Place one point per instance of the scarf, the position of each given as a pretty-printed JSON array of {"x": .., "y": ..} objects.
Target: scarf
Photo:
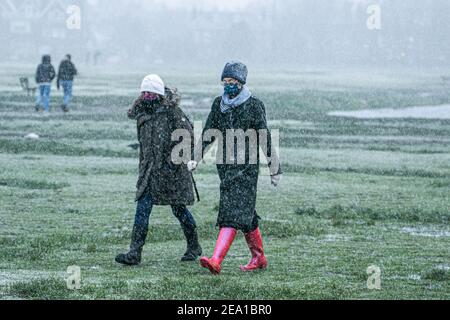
[{"x": 227, "y": 103}]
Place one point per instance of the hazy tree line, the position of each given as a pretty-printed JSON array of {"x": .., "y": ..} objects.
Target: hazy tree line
[{"x": 286, "y": 32}]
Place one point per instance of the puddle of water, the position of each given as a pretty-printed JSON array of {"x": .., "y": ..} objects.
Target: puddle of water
[
  {"x": 426, "y": 112},
  {"x": 292, "y": 124}
]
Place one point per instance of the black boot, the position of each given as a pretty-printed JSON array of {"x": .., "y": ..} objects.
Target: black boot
[
  {"x": 194, "y": 250},
  {"x": 133, "y": 257}
]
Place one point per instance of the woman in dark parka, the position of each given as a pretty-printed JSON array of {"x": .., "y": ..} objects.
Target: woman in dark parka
[
  {"x": 238, "y": 109},
  {"x": 160, "y": 182}
]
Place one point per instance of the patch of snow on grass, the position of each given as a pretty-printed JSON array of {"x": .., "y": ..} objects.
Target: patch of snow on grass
[{"x": 426, "y": 232}]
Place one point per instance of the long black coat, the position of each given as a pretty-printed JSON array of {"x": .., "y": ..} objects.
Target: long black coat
[
  {"x": 167, "y": 183},
  {"x": 238, "y": 187}
]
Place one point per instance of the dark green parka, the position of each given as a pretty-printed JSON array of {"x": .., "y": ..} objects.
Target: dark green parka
[
  {"x": 167, "y": 183},
  {"x": 238, "y": 187}
]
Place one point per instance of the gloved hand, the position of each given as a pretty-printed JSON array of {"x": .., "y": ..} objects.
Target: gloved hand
[
  {"x": 192, "y": 165},
  {"x": 276, "y": 179}
]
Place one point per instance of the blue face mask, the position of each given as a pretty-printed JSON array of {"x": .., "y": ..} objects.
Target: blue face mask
[{"x": 232, "y": 89}]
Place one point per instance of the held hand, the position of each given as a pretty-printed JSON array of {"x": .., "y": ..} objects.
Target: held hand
[
  {"x": 276, "y": 179},
  {"x": 192, "y": 165}
]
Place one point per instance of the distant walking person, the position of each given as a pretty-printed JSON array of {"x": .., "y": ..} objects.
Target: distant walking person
[
  {"x": 66, "y": 73},
  {"x": 45, "y": 74}
]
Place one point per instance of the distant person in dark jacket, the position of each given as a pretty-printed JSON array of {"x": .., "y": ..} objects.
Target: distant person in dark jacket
[
  {"x": 45, "y": 74},
  {"x": 66, "y": 73}
]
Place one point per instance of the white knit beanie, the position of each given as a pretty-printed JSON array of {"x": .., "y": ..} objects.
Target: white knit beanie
[{"x": 153, "y": 83}]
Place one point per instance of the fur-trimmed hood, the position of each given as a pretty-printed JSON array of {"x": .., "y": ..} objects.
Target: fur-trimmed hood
[{"x": 172, "y": 98}]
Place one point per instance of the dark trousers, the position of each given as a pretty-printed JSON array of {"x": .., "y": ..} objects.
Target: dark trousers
[{"x": 144, "y": 210}]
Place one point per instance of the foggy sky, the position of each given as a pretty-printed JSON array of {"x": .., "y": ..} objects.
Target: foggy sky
[{"x": 305, "y": 33}]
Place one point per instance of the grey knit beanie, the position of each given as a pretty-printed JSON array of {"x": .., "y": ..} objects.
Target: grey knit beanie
[{"x": 236, "y": 70}]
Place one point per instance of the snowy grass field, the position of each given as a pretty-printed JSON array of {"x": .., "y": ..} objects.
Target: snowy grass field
[{"x": 356, "y": 192}]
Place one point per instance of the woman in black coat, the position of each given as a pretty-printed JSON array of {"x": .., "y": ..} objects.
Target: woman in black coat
[
  {"x": 238, "y": 109},
  {"x": 161, "y": 181}
]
